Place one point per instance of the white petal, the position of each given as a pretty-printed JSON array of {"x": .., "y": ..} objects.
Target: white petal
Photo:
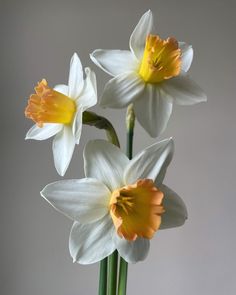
[
  {"x": 45, "y": 132},
  {"x": 76, "y": 82},
  {"x": 153, "y": 110},
  {"x": 88, "y": 97},
  {"x": 122, "y": 90},
  {"x": 77, "y": 125},
  {"x": 186, "y": 55},
  {"x": 184, "y": 90},
  {"x": 149, "y": 163},
  {"x": 114, "y": 62},
  {"x": 161, "y": 175},
  {"x": 138, "y": 37},
  {"x": 133, "y": 251},
  {"x": 64, "y": 89},
  {"x": 84, "y": 200},
  {"x": 175, "y": 209},
  {"x": 90, "y": 243},
  {"x": 105, "y": 162},
  {"x": 63, "y": 147}
]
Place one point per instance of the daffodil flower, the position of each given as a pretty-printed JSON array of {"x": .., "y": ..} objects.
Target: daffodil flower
[
  {"x": 152, "y": 76},
  {"x": 59, "y": 112},
  {"x": 120, "y": 204}
]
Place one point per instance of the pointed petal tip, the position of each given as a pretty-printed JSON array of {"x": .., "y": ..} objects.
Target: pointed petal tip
[
  {"x": 92, "y": 57},
  {"x": 27, "y": 136},
  {"x": 42, "y": 192},
  {"x": 75, "y": 55},
  {"x": 169, "y": 140},
  {"x": 202, "y": 99},
  {"x": 172, "y": 143},
  {"x": 154, "y": 134},
  {"x": 43, "y": 195},
  {"x": 148, "y": 11},
  {"x": 59, "y": 171},
  {"x": 92, "y": 53}
]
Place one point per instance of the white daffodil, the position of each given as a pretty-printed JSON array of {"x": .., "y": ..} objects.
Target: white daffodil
[
  {"x": 120, "y": 204},
  {"x": 59, "y": 112},
  {"x": 152, "y": 76}
]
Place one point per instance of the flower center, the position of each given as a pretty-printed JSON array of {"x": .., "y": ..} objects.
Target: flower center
[
  {"x": 49, "y": 106},
  {"x": 136, "y": 210},
  {"x": 161, "y": 59}
]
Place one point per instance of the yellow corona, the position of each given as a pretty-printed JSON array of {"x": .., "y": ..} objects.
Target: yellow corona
[{"x": 161, "y": 59}]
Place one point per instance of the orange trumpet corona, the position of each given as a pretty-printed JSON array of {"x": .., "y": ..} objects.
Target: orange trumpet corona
[{"x": 136, "y": 210}]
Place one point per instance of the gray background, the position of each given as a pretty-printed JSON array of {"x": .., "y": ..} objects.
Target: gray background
[{"x": 37, "y": 40}]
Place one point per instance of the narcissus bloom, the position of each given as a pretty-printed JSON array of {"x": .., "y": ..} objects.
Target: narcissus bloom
[
  {"x": 152, "y": 76},
  {"x": 120, "y": 204},
  {"x": 59, "y": 112}
]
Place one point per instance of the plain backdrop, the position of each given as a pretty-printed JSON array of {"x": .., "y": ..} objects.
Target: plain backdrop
[{"x": 38, "y": 39}]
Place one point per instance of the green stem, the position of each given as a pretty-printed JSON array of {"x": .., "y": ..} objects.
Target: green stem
[
  {"x": 123, "y": 277},
  {"x": 92, "y": 119},
  {"x": 129, "y": 148},
  {"x": 102, "y": 289},
  {"x": 112, "y": 274},
  {"x": 130, "y": 123}
]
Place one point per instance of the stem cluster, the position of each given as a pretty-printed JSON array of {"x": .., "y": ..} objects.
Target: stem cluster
[{"x": 108, "y": 278}]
